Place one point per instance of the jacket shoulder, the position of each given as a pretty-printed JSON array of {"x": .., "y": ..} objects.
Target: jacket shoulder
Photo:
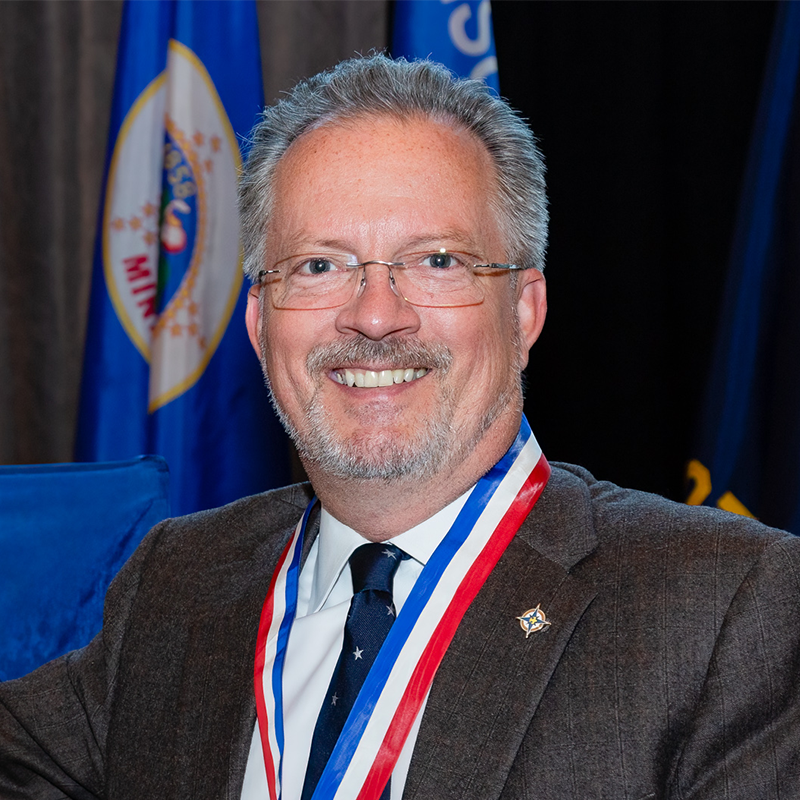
[
  {"x": 196, "y": 552},
  {"x": 633, "y": 514}
]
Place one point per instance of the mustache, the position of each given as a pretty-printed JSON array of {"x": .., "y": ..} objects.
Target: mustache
[{"x": 389, "y": 353}]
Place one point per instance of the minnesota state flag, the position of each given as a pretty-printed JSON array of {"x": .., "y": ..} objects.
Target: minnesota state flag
[
  {"x": 168, "y": 367},
  {"x": 458, "y": 35},
  {"x": 748, "y": 456}
]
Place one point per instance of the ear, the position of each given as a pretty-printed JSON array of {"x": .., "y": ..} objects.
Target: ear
[
  {"x": 531, "y": 309},
  {"x": 252, "y": 316}
]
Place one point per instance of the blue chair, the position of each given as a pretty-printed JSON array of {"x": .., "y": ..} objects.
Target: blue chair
[{"x": 65, "y": 530}]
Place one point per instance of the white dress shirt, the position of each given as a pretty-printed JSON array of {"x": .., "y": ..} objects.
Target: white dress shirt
[{"x": 324, "y": 592}]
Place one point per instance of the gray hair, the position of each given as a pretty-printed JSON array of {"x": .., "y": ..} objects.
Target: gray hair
[{"x": 379, "y": 85}]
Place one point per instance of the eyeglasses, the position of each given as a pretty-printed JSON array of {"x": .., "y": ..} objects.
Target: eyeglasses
[{"x": 443, "y": 279}]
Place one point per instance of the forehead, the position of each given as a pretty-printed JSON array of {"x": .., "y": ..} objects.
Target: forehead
[{"x": 376, "y": 177}]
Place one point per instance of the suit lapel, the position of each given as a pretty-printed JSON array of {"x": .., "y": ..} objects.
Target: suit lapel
[
  {"x": 228, "y": 700},
  {"x": 245, "y": 613},
  {"x": 492, "y": 678}
]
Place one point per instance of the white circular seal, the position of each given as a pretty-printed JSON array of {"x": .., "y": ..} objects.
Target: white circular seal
[{"x": 171, "y": 251}]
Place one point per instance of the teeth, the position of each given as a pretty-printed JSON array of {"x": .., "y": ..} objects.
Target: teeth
[{"x": 370, "y": 379}]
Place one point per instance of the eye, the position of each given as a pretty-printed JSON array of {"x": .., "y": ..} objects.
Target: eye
[
  {"x": 316, "y": 266},
  {"x": 440, "y": 260}
]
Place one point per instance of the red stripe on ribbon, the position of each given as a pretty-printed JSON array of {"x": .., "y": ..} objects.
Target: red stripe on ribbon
[
  {"x": 432, "y": 656},
  {"x": 261, "y": 645}
]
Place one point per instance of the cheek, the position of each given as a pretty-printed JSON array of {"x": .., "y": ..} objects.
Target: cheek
[
  {"x": 278, "y": 353},
  {"x": 484, "y": 343},
  {"x": 287, "y": 339}
]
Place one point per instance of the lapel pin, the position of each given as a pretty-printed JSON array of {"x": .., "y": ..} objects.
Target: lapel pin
[{"x": 533, "y": 620}]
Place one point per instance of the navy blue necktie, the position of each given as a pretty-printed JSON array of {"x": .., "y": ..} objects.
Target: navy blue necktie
[{"x": 370, "y": 616}]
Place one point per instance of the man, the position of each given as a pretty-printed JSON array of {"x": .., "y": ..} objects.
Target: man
[{"x": 555, "y": 636}]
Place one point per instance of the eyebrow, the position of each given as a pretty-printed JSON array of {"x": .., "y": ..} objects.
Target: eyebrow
[
  {"x": 462, "y": 238},
  {"x": 459, "y": 237}
]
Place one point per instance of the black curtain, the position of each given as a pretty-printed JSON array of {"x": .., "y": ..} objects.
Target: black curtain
[{"x": 644, "y": 113}]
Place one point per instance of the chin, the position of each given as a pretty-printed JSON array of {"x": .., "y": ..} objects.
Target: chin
[{"x": 378, "y": 455}]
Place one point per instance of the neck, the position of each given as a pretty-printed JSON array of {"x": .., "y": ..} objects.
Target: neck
[{"x": 381, "y": 509}]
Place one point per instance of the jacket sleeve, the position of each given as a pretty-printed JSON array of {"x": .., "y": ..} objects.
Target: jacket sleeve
[
  {"x": 53, "y": 722},
  {"x": 745, "y": 740}
]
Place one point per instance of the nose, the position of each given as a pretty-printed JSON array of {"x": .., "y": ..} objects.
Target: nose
[{"x": 377, "y": 309}]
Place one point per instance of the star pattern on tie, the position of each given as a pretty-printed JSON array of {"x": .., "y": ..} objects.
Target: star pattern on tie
[{"x": 369, "y": 619}]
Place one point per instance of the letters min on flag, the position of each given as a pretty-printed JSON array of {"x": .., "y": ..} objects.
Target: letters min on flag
[
  {"x": 457, "y": 34},
  {"x": 168, "y": 367},
  {"x": 748, "y": 455}
]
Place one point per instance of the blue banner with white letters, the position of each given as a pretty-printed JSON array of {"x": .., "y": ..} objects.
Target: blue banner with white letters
[
  {"x": 168, "y": 366},
  {"x": 457, "y": 33},
  {"x": 748, "y": 455}
]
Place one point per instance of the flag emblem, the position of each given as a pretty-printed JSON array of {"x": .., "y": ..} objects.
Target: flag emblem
[{"x": 170, "y": 234}]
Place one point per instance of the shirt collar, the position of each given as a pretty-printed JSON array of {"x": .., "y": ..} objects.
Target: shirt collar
[{"x": 336, "y": 543}]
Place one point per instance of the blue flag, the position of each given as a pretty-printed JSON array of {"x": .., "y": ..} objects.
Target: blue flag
[
  {"x": 168, "y": 367},
  {"x": 457, "y": 34},
  {"x": 748, "y": 460}
]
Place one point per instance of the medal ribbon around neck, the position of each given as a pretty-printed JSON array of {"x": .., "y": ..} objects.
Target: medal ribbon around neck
[{"x": 398, "y": 682}]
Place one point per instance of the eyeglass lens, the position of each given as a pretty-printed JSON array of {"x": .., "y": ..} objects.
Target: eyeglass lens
[{"x": 322, "y": 283}]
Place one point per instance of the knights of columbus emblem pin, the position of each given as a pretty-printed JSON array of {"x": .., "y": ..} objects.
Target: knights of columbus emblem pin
[{"x": 533, "y": 620}]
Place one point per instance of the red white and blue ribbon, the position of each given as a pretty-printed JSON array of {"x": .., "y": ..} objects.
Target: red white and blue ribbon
[{"x": 396, "y": 686}]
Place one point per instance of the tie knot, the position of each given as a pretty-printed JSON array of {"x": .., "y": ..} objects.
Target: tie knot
[{"x": 373, "y": 567}]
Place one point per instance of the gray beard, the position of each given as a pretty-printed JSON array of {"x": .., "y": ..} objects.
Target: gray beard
[
  {"x": 385, "y": 455},
  {"x": 377, "y": 456}
]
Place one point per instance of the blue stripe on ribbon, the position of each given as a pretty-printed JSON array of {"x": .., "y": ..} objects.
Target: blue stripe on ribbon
[
  {"x": 292, "y": 576},
  {"x": 432, "y": 573}
]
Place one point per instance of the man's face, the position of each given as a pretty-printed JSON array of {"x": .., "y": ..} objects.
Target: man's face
[{"x": 378, "y": 188}]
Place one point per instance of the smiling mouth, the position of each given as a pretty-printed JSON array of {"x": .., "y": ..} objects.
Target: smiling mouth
[{"x": 371, "y": 379}]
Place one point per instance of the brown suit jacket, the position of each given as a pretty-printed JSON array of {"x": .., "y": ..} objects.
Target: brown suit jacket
[{"x": 670, "y": 669}]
